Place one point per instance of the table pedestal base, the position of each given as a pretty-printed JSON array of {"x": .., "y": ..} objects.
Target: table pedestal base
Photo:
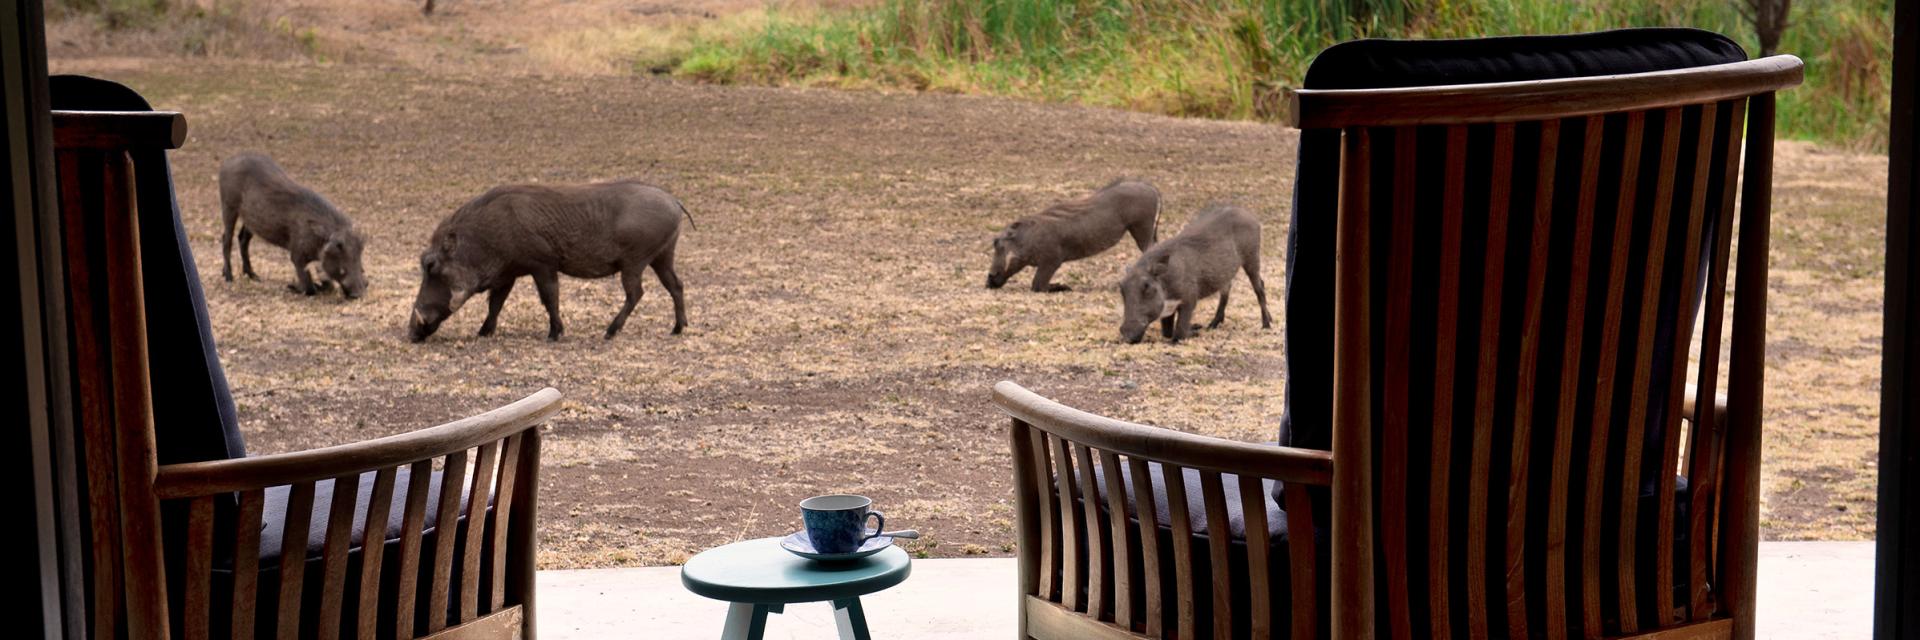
[{"x": 749, "y": 621}]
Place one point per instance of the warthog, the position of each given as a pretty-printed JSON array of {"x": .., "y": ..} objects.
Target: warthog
[
  {"x": 258, "y": 195},
  {"x": 1171, "y": 278},
  {"x": 584, "y": 231},
  {"x": 1073, "y": 230}
]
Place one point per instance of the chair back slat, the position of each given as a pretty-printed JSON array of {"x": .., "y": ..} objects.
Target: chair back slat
[
  {"x": 1608, "y": 366},
  {"x": 293, "y": 559},
  {"x": 1149, "y": 534},
  {"x": 1549, "y": 274},
  {"x": 1669, "y": 467},
  {"x": 333, "y": 554},
  {"x": 1092, "y": 533},
  {"x": 1640, "y": 373},
  {"x": 199, "y": 568},
  {"x": 1072, "y": 556},
  {"x": 1521, "y": 424},
  {"x": 509, "y": 463},
  {"x": 1219, "y": 553},
  {"x": 246, "y": 563},
  {"x": 445, "y": 533},
  {"x": 1703, "y": 447},
  {"x": 1394, "y": 406},
  {"x": 413, "y": 523},
  {"x": 483, "y": 475},
  {"x": 372, "y": 555},
  {"x": 1446, "y": 339},
  {"x": 1561, "y": 466},
  {"x": 1500, "y": 177},
  {"x": 1737, "y": 536},
  {"x": 1048, "y": 514},
  {"x": 1123, "y": 563},
  {"x": 1185, "y": 588},
  {"x": 1253, "y": 502},
  {"x": 1303, "y": 563}
]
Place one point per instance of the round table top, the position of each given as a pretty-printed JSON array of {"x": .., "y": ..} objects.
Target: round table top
[{"x": 760, "y": 572}]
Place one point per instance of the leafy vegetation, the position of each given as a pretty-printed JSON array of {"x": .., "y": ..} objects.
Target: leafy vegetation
[{"x": 1234, "y": 58}]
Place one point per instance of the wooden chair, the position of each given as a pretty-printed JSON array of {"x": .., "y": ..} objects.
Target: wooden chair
[
  {"x": 1493, "y": 289},
  {"x": 188, "y": 536}
]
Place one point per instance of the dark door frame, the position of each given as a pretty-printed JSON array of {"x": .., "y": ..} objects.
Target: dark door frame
[
  {"x": 37, "y": 443},
  {"x": 1897, "y": 553}
]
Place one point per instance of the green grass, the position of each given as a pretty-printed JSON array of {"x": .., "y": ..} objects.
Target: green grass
[{"x": 1234, "y": 58}]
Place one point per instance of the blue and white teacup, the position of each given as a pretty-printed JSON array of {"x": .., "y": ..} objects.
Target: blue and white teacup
[{"x": 837, "y": 523}]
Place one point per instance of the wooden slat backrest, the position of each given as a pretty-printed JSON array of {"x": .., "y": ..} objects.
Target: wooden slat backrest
[
  {"x": 1082, "y": 487},
  {"x": 1517, "y": 290},
  {"x": 453, "y": 572}
]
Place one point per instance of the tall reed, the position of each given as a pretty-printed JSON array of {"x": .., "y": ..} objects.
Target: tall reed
[{"x": 1233, "y": 58}]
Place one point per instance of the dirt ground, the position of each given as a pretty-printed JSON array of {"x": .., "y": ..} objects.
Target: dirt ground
[{"x": 841, "y": 339}]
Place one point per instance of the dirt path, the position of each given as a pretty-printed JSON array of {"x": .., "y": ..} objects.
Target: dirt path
[{"x": 841, "y": 339}]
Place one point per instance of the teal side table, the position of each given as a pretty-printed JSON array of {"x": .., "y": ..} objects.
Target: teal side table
[{"x": 760, "y": 578}]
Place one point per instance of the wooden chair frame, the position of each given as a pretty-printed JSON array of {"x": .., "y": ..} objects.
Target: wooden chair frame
[
  {"x": 1066, "y": 595},
  {"x": 126, "y": 486}
]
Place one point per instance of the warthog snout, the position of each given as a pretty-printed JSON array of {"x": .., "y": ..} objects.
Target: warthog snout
[
  {"x": 421, "y": 326},
  {"x": 353, "y": 288},
  {"x": 995, "y": 281}
]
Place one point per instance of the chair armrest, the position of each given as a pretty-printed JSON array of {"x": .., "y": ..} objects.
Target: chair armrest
[
  {"x": 195, "y": 479},
  {"x": 1286, "y": 464},
  {"x": 1719, "y": 405}
]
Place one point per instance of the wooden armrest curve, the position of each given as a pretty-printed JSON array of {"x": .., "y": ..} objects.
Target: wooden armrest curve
[
  {"x": 1194, "y": 451},
  {"x": 255, "y": 472}
]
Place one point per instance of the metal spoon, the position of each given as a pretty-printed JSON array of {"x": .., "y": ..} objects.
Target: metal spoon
[{"x": 908, "y": 534}]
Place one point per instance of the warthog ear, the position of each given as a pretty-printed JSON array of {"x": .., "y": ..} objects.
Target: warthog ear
[{"x": 1158, "y": 267}]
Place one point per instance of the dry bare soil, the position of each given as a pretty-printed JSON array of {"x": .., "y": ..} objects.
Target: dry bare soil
[{"x": 841, "y": 338}]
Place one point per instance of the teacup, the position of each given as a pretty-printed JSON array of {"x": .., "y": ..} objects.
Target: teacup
[{"x": 837, "y": 523}]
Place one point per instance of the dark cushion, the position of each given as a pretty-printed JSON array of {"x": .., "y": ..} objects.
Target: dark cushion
[
  {"x": 193, "y": 410},
  {"x": 1380, "y": 64}
]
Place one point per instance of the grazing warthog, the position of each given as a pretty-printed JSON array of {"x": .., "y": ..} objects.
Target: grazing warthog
[
  {"x": 584, "y": 231},
  {"x": 266, "y": 203},
  {"x": 1073, "y": 230},
  {"x": 1171, "y": 278}
]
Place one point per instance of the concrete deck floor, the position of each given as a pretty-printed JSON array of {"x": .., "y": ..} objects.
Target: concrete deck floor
[{"x": 1807, "y": 590}]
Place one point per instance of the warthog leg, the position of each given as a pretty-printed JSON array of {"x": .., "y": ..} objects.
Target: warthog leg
[
  {"x": 548, "y": 284},
  {"x": 496, "y": 298}
]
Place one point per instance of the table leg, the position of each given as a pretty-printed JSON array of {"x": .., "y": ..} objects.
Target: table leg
[
  {"x": 851, "y": 619},
  {"x": 748, "y": 621}
]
